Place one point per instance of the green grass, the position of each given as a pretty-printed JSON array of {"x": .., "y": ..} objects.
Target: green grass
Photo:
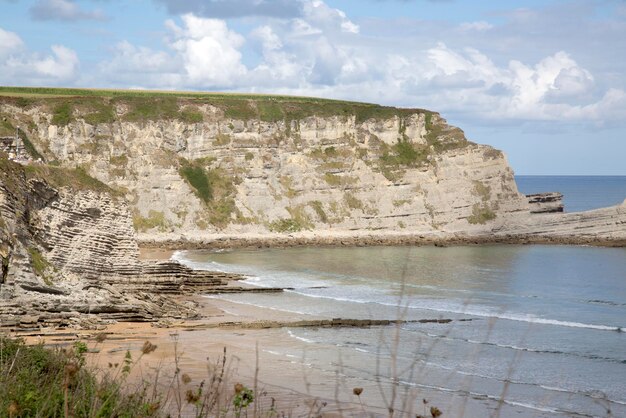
[
  {"x": 40, "y": 382},
  {"x": 154, "y": 220},
  {"x": 151, "y": 108},
  {"x": 100, "y": 113},
  {"x": 30, "y": 148},
  {"x": 352, "y": 201},
  {"x": 6, "y": 128},
  {"x": 213, "y": 186},
  {"x": 285, "y": 226},
  {"x": 40, "y": 264},
  {"x": 153, "y": 105},
  {"x": 198, "y": 179},
  {"x": 120, "y": 160},
  {"x": 189, "y": 116},
  {"x": 77, "y": 179},
  {"x": 319, "y": 210},
  {"x": 482, "y": 191},
  {"x": 62, "y": 114},
  {"x": 481, "y": 214}
]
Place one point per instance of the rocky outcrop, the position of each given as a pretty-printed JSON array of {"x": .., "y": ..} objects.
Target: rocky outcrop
[
  {"x": 545, "y": 202},
  {"x": 600, "y": 226},
  {"x": 70, "y": 253}
]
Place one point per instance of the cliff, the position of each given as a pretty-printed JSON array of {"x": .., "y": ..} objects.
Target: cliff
[
  {"x": 68, "y": 251},
  {"x": 196, "y": 166}
]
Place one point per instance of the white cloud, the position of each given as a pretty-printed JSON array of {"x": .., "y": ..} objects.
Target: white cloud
[
  {"x": 64, "y": 10},
  {"x": 318, "y": 13},
  {"x": 26, "y": 68},
  {"x": 479, "y": 26},
  {"x": 61, "y": 65},
  {"x": 210, "y": 52},
  {"x": 9, "y": 43}
]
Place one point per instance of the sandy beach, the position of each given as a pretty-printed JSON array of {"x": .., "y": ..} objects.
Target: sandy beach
[{"x": 198, "y": 346}]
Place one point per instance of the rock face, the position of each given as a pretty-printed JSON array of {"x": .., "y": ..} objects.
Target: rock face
[
  {"x": 354, "y": 169},
  {"x": 545, "y": 202},
  {"x": 67, "y": 251},
  {"x": 601, "y": 226}
]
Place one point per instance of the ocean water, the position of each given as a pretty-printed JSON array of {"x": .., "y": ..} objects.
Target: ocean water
[
  {"x": 579, "y": 192},
  {"x": 534, "y": 331}
]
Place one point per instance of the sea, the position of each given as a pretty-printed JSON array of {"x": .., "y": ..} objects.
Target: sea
[{"x": 498, "y": 330}]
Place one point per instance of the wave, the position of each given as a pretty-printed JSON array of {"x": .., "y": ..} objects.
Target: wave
[
  {"x": 271, "y": 308},
  {"x": 180, "y": 256},
  {"x": 304, "y": 340},
  {"x": 518, "y": 348},
  {"x": 485, "y": 312}
]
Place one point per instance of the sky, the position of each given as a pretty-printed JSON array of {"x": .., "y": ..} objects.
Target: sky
[{"x": 545, "y": 81}]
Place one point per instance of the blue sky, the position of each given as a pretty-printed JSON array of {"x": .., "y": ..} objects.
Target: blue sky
[{"x": 545, "y": 81}]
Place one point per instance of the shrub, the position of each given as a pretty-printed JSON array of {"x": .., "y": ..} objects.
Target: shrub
[
  {"x": 319, "y": 210},
  {"x": 102, "y": 113},
  {"x": 213, "y": 186},
  {"x": 285, "y": 225},
  {"x": 155, "y": 219},
  {"x": 481, "y": 214},
  {"x": 197, "y": 178},
  {"x": 62, "y": 114}
]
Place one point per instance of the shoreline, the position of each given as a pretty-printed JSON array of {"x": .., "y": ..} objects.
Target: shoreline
[
  {"x": 245, "y": 334},
  {"x": 249, "y": 241}
]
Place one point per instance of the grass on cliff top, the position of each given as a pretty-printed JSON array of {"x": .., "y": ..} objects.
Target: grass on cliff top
[{"x": 154, "y": 105}]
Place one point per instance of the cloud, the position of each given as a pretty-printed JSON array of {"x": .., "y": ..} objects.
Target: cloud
[
  {"x": 477, "y": 26},
  {"x": 224, "y": 9},
  {"x": 473, "y": 71},
  {"x": 20, "y": 67},
  {"x": 209, "y": 51},
  {"x": 63, "y": 10},
  {"x": 9, "y": 43},
  {"x": 318, "y": 13}
]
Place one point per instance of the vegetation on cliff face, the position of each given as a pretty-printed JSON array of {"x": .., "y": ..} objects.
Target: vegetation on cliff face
[
  {"x": 59, "y": 177},
  {"x": 40, "y": 264},
  {"x": 155, "y": 219},
  {"x": 481, "y": 214},
  {"x": 214, "y": 186}
]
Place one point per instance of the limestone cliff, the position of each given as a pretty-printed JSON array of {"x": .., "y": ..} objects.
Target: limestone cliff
[
  {"x": 199, "y": 166},
  {"x": 68, "y": 248}
]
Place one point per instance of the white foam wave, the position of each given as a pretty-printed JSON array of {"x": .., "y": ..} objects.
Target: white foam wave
[
  {"x": 305, "y": 340},
  {"x": 473, "y": 311},
  {"x": 271, "y": 308}
]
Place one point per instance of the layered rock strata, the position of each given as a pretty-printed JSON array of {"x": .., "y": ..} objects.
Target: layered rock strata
[
  {"x": 545, "y": 202},
  {"x": 70, "y": 253}
]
